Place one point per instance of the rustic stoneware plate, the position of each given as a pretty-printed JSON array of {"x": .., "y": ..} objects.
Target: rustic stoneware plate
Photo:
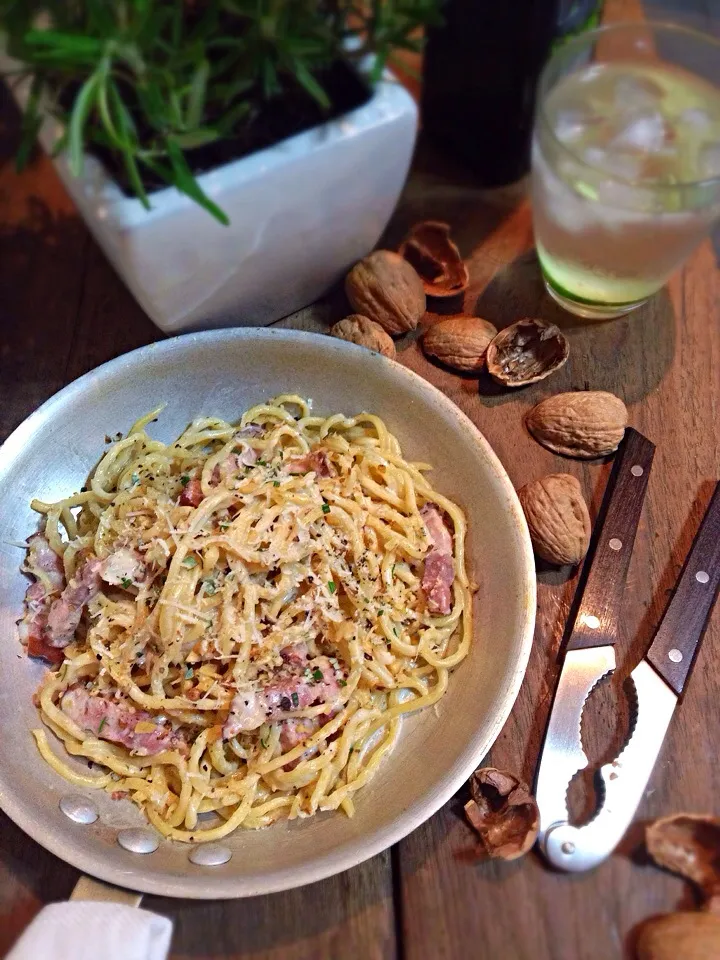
[{"x": 224, "y": 373}]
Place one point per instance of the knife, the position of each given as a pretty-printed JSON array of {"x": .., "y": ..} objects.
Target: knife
[
  {"x": 659, "y": 681},
  {"x": 591, "y": 631}
]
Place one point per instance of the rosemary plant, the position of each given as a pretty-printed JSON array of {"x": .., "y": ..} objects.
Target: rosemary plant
[{"x": 149, "y": 81}]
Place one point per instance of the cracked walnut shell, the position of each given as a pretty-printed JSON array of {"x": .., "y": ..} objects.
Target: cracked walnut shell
[
  {"x": 585, "y": 424},
  {"x": 436, "y": 258},
  {"x": 459, "y": 342},
  {"x": 525, "y": 352},
  {"x": 366, "y": 333},
  {"x": 385, "y": 288},
  {"x": 679, "y": 936},
  {"x": 503, "y": 812},
  {"x": 557, "y": 517},
  {"x": 689, "y": 844}
]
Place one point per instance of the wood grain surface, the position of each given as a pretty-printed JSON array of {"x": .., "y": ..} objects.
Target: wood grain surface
[{"x": 63, "y": 311}]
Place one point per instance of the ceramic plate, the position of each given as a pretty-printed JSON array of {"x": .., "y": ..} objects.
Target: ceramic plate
[{"x": 224, "y": 373}]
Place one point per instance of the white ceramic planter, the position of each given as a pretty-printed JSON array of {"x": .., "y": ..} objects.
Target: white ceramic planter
[{"x": 301, "y": 213}]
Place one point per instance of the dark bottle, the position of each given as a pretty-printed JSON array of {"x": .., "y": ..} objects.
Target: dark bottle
[{"x": 480, "y": 73}]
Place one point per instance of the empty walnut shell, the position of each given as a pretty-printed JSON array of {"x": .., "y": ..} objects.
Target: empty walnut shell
[
  {"x": 525, "y": 352},
  {"x": 503, "y": 812},
  {"x": 430, "y": 250},
  {"x": 689, "y": 844}
]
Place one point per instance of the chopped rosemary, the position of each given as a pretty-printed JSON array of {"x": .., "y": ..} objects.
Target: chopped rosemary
[
  {"x": 102, "y": 724},
  {"x": 295, "y": 699},
  {"x": 331, "y": 586},
  {"x": 184, "y": 479},
  {"x": 126, "y": 582},
  {"x": 189, "y": 562},
  {"x": 189, "y": 673},
  {"x": 317, "y": 675},
  {"x": 326, "y": 508}
]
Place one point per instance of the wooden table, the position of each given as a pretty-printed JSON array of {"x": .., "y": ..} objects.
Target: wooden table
[{"x": 63, "y": 311}]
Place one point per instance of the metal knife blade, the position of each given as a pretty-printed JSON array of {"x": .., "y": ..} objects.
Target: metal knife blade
[{"x": 625, "y": 779}]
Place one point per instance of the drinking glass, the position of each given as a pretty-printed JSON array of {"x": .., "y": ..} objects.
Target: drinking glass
[{"x": 625, "y": 162}]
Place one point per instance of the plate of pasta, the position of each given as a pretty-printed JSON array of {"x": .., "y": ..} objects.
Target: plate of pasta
[{"x": 266, "y": 600}]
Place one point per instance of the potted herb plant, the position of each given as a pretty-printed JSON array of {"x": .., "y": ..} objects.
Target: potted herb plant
[{"x": 232, "y": 157}]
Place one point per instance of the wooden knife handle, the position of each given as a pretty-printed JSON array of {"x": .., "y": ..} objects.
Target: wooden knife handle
[
  {"x": 594, "y": 616},
  {"x": 678, "y": 637}
]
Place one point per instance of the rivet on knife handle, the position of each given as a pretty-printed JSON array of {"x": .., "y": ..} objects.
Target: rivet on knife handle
[
  {"x": 676, "y": 642},
  {"x": 594, "y": 618}
]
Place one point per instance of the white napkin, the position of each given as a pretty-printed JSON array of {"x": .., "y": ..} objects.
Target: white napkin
[{"x": 87, "y": 930}]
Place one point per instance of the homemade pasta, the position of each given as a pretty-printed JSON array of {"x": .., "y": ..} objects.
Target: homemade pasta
[{"x": 238, "y": 620}]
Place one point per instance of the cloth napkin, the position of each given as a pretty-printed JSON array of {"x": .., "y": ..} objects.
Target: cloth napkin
[{"x": 89, "y": 930}]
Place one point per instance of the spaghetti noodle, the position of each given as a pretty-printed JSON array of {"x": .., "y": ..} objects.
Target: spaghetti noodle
[{"x": 240, "y": 618}]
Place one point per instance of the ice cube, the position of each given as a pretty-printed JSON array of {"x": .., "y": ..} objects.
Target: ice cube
[
  {"x": 590, "y": 73},
  {"x": 696, "y": 118},
  {"x": 647, "y": 133},
  {"x": 709, "y": 160},
  {"x": 624, "y": 165},
  {"x": 634, "y": 94},
  {"x": 623, "y": 196},
  {"x": 571, "y": 123}
]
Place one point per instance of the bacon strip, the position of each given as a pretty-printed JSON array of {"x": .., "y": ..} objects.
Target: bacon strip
[
  {"x": 439, "y": 572},
  {"x": 42, "y": 557},
  {"x": 231, "y": 464},
  {"x": 296, "y": 654},
  {"x": 66, "y": 612},
  {"x": 287, "y": 693},
  {"x": 116, "y": 720},
  {"x": 192, "y": 495},
  {"x": 247, "y": 712},
  {"x": 43, "y": 563},
  {"x": 315, "y": 461}
]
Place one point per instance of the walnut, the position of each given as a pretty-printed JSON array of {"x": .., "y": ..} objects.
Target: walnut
[
  {"x": 366, "y": 333},
  {"x": 385, "y": 288},
  {"x": 459, "y": 342},
  {"x": 436, "y": 258},
  {"x": 557, "y": 518},
  {"x": 503, "y": 812},
  {"x": 525, "y": 352},
  {"x": 679, "y": 936},
  {"x": 689, "y": 844},
  {"x": 585, "y": 424}
]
